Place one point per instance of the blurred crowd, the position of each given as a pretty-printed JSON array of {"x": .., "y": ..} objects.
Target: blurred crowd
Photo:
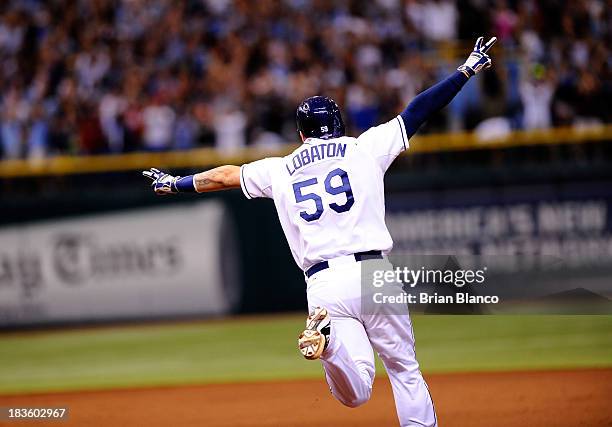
[{"x": 99, "y": 76}]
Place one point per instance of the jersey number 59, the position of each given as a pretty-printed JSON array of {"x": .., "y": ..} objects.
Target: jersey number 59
[{"x": 345, "y": 188}]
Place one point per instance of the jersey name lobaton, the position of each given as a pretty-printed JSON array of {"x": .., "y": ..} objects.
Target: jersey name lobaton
[{"x": 313, "y": 154}]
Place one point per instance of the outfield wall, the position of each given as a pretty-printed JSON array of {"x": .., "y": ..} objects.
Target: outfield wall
[{"x": 526, "y": 201}]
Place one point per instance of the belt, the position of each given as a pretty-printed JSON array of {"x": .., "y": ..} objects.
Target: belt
[{"x": 359, "y": 256}]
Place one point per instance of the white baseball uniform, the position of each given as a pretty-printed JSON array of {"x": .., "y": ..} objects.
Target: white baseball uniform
[{"x": 329, "y": 196}]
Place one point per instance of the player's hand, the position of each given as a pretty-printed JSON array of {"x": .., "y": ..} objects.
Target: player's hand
[
  {"x": 163, "y": 183},
  {"x": 478, "y": 59}
]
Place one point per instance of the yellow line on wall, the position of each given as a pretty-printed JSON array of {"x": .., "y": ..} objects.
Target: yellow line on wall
[{"x": 209, "y": 157}]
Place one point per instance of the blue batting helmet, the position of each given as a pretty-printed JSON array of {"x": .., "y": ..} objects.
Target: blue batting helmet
[{"x": 319, "y": 117}]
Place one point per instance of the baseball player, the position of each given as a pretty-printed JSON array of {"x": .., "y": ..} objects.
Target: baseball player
[{"x": 329, "y": 197}]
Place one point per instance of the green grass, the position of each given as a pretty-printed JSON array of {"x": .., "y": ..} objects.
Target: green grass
[{"x": 255, "y": 349}]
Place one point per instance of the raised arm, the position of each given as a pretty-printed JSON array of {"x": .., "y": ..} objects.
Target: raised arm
[
  {"x": 220, "y": 178},
  {"x": 438, "y": 96}
]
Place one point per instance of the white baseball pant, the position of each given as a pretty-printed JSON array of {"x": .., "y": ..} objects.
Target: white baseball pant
[{"x": 349, "y": 360}]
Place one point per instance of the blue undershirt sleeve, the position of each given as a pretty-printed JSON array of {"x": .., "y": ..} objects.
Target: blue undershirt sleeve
[
  {"x": 430, "y": 101},
  {"x": 185, "y": 184}
]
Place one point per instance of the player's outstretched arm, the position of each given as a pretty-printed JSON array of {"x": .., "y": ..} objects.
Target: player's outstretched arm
[
  {"x": 220, "y": 178},
  {"x": 438, "y": 96}
]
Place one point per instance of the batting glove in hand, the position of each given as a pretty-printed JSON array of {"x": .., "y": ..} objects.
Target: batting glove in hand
[
  {"x": 163, "y": 183},
  {"x": 478, "y": 59}
]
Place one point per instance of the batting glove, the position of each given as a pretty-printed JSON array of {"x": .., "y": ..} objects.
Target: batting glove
[
  {"x": 163, "y": 183},
  {"x": 478, "y": 59}
]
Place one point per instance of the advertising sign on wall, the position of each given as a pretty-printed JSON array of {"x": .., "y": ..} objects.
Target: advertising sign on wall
[{"x": 135, "y": 264}]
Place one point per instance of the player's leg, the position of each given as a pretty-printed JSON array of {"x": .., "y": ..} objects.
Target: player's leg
[
  {"x": 392, "y": 337},
  {"x": 348, "y": 360}
]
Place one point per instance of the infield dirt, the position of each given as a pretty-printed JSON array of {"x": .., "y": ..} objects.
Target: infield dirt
[{"x": 543, "y": 398}]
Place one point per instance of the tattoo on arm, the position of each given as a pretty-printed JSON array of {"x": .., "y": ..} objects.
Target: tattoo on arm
[
  {"x": 220, "y": 178},
  {"x": 202, "y": 182}
]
